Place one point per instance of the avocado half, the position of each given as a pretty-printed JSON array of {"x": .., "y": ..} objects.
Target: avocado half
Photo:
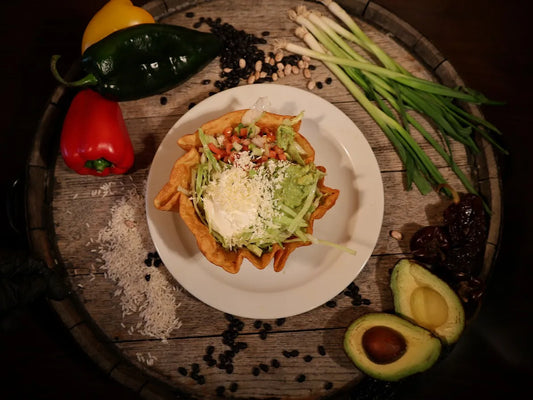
[
  {"x": 390, "y": 348},
  {"x": 426, "y": 300}
]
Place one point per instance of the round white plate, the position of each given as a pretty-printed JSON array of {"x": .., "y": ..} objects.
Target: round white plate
[{"x": 313, "y": 274}]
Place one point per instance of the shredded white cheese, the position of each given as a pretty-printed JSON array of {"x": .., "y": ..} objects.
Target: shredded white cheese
[{"x": 236, "y": 202}]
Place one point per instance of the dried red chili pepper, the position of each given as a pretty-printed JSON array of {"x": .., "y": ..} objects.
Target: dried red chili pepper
[{"x": 94, "y": 138}]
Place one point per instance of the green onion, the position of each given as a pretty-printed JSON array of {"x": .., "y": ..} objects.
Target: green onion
[{"x": 388, "y": 92}]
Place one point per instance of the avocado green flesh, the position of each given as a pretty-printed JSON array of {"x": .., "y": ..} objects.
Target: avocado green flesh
[
  {"x": 421, "y": 351},
  {"x": 426, "y": 300}
]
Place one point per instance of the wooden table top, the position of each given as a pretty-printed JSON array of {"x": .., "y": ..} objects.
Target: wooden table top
[{"x": 64, "y": 233}]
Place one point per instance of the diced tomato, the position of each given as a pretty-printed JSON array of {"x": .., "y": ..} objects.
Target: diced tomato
[
  {"x": 228, "y": 131},
  {"x": 218, "y": 153},
  {"x": 228, "y": 146},
  {"x": 243, "y": 132}
]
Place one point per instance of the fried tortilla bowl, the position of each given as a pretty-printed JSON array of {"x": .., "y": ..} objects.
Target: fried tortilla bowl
[{"x": 172, "y": 196}]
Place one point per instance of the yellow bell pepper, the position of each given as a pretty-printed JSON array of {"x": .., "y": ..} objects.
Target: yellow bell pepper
[{"x": 114, "y": 15}]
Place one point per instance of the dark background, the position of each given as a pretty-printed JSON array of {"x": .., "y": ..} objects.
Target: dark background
[{"x": 489, "y": 44}]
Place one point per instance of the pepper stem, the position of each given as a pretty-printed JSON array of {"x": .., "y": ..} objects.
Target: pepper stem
[
  {"x": 99, "y": 165},
  {"x": 88, "y": 80}
]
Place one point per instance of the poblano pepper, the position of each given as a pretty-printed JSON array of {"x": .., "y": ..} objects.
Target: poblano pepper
[{"x": 143, "y": 60}]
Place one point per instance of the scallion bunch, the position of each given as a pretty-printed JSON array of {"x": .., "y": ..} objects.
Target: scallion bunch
[{"x": 387, "y": 92}]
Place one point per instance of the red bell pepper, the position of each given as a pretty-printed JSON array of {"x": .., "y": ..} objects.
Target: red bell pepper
[{"x": 94, "y": 138}]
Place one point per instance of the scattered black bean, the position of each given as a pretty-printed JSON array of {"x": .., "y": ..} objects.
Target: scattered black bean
[
  {"x": 263, "y": 334},
  {"x": 294, "y": 353},
  {"x": 220, "y": 390},
  {"x": 331, "y": 304},
  {"x": 229, "y": 368},
  {"x": 366, "y": 302},
  {"x": 265, "y": 33},
  {"x": 201, "y": 380},
  {"x": 197, "y": 25},
  {"x": 210, "y": 349},
  {"x": 286, "y": 353},
  {"x": 275, "y": 363},
  {"x": 147, "y": 277},
  {"x": 233, "y": 387},
  {"x": 195, "y": 367},
  {"x": 191, "y": 105},
  {"x": 163, "y": 100},
  {"x": 182, "y": 371},
  {"x": 308, "y": 358},
  {"x": 312, "y": 67},
  {"x": 319, "y": 85},
  {"x": 328, "y": 80},
  {"x": 328, "y": 385},
  {"x": 267, "y": 326},
  {"x": 148, "y": 262},
  {"x": 256, "y": 371},
  {"x": 280, "y": 321},
  {"x": 189, "y": 14},
  {"x": 321, "y": 350},
  {"x": 264, "y": 367},
  {"x": 300, "y": 378},
  {"x": 257, "y": 324}
]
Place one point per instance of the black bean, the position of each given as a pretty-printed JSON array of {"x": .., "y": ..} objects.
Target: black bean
[
  {"x": 255, "y": 371},
  {"x": 300, "y": 378},
  {"x": 147, "y": 277},
  {"x": 275, "y": 363},
  {"x": 195, "y": 367},
  {"x": 294, "y": 353},
  {"x": 319, "y": 85},
  {"x": 210, "y": 349},
  {"x": 189, "y": 14},
  {"x": 229, "y": 368},
  {"x": 220, "y": 390},
  {"x": 191, "y": 105},
  {"x": 328, "y": 80},
  {"x": 257, "y": 324},
  {"x": 280, "y": 321},
  {"x": 321, "y": 350},
  {"x": 308, "y": 358},
  {"x": 148, "y": 262},
  {"x": 286, "y": 353},
  {"x": 182, "y": 371},
  {"x": 157, "y": 262},
  {"x": 163, "y": 100},
  {"x": 267, "y": 326},
  {"x": 197, "y": 25},
  {"x": 312, "y": 67},
  {"x": 242, "y": 345},
  {"x": 265, "y": 33},
  {"x": 331, "y": 304},
  {"x": 328, "y": 385},
  {"x": 264, "y": 367},
  {"x": 211, "y": 362},
  {"x": 233, "y": 387},
  {"x": 357, "y": 302},
  {"x": 263, "y": 334},
  {"x": 201, "y": 380},
  {"x": 366, "y": 302}
]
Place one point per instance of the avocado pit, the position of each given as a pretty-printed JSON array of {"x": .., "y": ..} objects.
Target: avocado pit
[{"x": 383, "y": 345}]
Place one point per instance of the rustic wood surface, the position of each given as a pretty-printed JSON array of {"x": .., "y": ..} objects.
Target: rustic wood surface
[{"x": 68, "y": 210}]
